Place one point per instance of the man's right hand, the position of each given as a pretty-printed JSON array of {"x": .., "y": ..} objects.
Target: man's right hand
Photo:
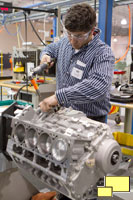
[{"x": 45, "y": 58}]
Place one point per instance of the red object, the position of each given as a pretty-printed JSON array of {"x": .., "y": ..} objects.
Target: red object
[
  {"x": 10, "y": 61},
  {"x": 17, "y": 82},
  {"x": 112, "y": 109},
  {"x": 4, "y": 9},
  {"x": 51, "y": 33},
  {"x": 40, "y": 81},
  {"x": 119, "y": 72}
]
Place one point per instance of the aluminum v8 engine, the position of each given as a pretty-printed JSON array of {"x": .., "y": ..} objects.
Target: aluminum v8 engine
[{"x": 63, "y": 149}]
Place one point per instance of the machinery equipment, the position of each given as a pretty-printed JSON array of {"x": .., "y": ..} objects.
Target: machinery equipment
[
  {"x": 62, "y": 150},
  {"x": 123, "y": 93},
  {"x": 21, "y": 57},
  {"x": 23, "y": 60}
]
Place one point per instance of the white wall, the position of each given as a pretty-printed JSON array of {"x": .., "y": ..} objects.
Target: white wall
[
  {"x": 120, "y": 46},
  {"x": 8, "y": 41}
]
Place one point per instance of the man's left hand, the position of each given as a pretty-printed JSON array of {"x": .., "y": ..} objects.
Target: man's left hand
[{"x": 48, "y": 103}]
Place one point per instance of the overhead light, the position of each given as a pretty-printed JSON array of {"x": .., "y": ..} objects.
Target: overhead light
[
  {"x": 115, "y": 40},
  {"x": 27, "y": 43},
  {"x": 123, "y": 21}
]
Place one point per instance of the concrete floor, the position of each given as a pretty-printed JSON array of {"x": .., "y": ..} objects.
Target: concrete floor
[{"x": 13, "y": 186}]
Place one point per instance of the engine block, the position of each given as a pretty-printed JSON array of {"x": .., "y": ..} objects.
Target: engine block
[{"x": 64, "y": 149}]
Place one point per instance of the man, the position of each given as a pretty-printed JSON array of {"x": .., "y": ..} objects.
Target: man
[{"x": 84, "y": 66}]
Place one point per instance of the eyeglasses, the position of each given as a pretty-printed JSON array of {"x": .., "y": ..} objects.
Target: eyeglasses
[{"x": 77, "y": 37}]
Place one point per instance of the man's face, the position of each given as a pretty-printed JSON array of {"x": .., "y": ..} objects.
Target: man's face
[{"x": 78, "y": 39}]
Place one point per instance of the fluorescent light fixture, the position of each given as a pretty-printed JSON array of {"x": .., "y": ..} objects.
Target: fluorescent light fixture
[
  {"x": 115, "y": 40},
  {"x": 27, "y": 43},
  {"x": 123, "y": 21}
]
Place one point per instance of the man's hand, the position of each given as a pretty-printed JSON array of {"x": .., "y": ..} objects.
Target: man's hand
[
  {"x": 47, "y": 59},
  {"x": 44, "y": 196},
  {"x": 48, "y": 103}
]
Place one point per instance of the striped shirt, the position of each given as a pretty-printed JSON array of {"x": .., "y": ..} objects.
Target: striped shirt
[{"x": 83, "y": 77}]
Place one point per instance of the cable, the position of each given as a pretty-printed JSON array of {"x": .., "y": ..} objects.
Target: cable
[
  {"x": 121, "y": 58},
  {"x": 12, "y": 34},
  {"x": 2, "y": 28},
  {"x": 36, "y": 31},
  {"x": 18, "y": 35},
  {"x": 5, "y": 27},
  {"x": 16, "y": 95},
  {"x": 9, "y": 33},
  {"x": 21, "y": 36}
]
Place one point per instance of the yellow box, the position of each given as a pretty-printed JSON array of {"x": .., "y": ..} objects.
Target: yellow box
[
  {"x": 119, "y": 183},
  {"x": 104, "y": 191}
]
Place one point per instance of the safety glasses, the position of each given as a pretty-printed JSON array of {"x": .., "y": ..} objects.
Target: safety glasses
[{"x": 77, "y": 36}]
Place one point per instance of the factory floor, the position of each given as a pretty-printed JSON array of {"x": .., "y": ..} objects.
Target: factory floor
[{"x": 13, "y": 186}]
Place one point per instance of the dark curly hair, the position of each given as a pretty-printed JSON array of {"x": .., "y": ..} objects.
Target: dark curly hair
[{"x": 80, "y": 17}]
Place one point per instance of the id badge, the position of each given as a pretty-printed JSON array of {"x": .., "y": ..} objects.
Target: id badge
[{"x": 77, "y": 73}]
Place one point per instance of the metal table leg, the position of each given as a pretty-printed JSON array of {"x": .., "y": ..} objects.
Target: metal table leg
[{"x": 128, "y": 120}]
